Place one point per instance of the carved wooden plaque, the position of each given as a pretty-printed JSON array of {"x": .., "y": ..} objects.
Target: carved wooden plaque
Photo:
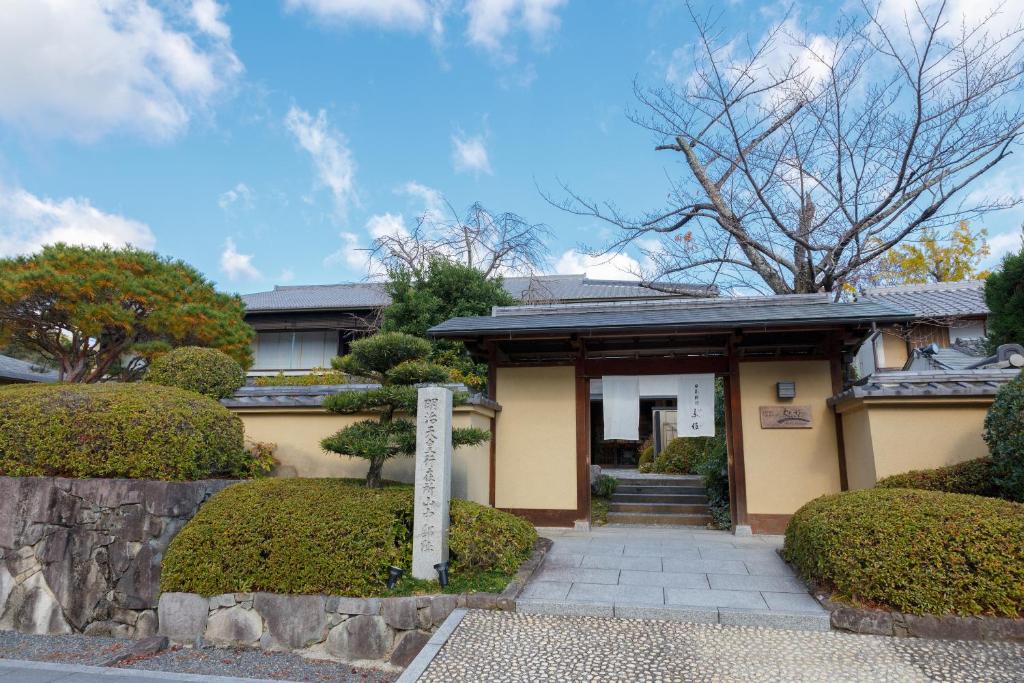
[{"x": 785, "y": 417}]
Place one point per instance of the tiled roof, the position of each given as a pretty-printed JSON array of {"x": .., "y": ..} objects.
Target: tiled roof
[
  {"x": 19, "y": 370},
  {"x": 534, "y": 289},
  {"x": 928, "y": 384},
  {"x": 943, "y": 359},
  {"x": 351, "y": 296},
  {"x": 565, "y": 288},
  {"x": 313, "y": 396},
  {"x": 934, "y": 300},
  {"x": 713, "y": 313}
]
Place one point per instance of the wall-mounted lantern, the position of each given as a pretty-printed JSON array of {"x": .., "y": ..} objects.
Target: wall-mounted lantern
[{"x": 786, "y": 389}]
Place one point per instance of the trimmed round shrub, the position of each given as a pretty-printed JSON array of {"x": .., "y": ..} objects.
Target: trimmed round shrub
[
  {"x": 1004, "y": 434},
  {"x": 683, "y": 455},
  {"x": 333, "y": 536},
  {"x": 136, "y": 431},
  {"x": 920, "y": 552},
  {"x": 972, "y": 477},
  {"x": 209, "y": 372}
]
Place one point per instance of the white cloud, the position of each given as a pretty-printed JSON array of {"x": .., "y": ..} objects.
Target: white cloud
[
  {"x": 329, "y": 150},
  {"x": 240, "y": 194},
  {"x": 405, "y": 14},
  {"x": 30, "y": 222},
  {"x": 469, "y": 153},
  {"x": 433, "y": 200},
  {"x": 287, "y": 275},
  {"x": 386, "y": 225},
  {"x": 491, "y": 21},
  {"x": 87, "y": 68},
  {"x": 207, "y": 15},
  {"x": 1005, "y": 243},
  {"x": 613, "y": 267},
  {"x": 235, "y": 265},
  {"x": 352, "y": 254}
]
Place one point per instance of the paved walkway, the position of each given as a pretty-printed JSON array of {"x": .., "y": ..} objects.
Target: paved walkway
[
  {"x": 19, "y": 671},
  {"x": 512, "y": 647},
  {"x": 674, "y": 574}
]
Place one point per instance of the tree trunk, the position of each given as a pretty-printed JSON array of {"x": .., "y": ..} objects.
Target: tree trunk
[{"x": 373, "y": 475}]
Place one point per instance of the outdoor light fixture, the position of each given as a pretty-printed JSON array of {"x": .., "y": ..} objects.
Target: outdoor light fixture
[
  {"x": 786, "y": 389},
  {"x": 442, "y": 573},
  {"x": 394, "y": 574}
]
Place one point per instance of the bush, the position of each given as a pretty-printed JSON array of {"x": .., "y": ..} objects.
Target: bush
[
  {"x": 605, "y": 486},
  {"x": 205, "y": 371},
  {"x": 683, "y": 455},
  {"x": 138, "y": 431},
  {"x": 332, "y": 536},
  {"x": 646, "y": 454},
  {"x": 922, "y": 552},
  {"x": 973, "y": 477},
  {"x": 1004, "y": 434},
  {"x": 715, "y": 470},
  {"x": 316, "y": 377}
]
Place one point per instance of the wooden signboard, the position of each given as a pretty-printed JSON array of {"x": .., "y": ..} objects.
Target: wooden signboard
[{"x": 785, "y": 417}]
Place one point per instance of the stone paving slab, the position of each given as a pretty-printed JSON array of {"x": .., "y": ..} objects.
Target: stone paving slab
[
  {"x": 657, "y": 573},
  {"x": 513, "y": 647},
  {"x": 24, "y": 671}
]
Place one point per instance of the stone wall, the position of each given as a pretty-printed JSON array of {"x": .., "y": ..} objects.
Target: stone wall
[
  {"x": 375, "y": 630},
  {"x": 83, "y": 555}
]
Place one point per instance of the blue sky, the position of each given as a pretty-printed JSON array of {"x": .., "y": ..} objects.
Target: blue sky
[{"x": 264, "y": 142}]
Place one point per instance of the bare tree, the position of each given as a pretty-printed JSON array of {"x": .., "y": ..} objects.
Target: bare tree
[
  {"x": 807, "y": 157},
  {"x": 502, "y": 243}
]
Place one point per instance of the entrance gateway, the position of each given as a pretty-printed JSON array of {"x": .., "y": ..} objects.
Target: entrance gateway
[{"x": 779, "y": 358}]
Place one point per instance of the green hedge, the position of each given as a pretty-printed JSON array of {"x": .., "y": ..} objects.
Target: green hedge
[
  {"x": 972, "y": 477},
  {"x": 1004, "y": 434},
  {"x": 684, "y": 455},
  {"x": 332, "y": 536},
  {"x": 921, "y": 552},
  {"x": 137, "y": 431},
  {"x": 209, "y": 372}
]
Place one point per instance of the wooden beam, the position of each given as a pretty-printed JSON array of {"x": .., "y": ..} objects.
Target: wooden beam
[
  {"x": 836, "y": 366},
  {"x": 596, "y": 367},
  {"x": 734, "y": 438},
  {"x": 582, "y": 441},
  {"x": 492, "y": 393}
]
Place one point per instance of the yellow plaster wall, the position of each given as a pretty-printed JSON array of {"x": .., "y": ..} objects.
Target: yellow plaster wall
[
  {"x": 298, "y": 431},
  {"x": 785, "y": 468},
  {"x": 911, "y": 434},
  {"x": 893, "y": 349},
  {"x": 535, "y": 460}
]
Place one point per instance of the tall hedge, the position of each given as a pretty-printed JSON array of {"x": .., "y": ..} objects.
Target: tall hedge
[
  {"x": 1004, "y": 434},
  {"x": 332, "y": 536},
  {"x": 138, "y": 431},
  {"x": 209, "y": 372},
  {"x": 921, "y": 552},
  {"x": 972, "y": 476}
]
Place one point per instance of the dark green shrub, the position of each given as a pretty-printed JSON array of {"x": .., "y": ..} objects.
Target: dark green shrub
[
  {"x": 646, "y": 454},
  {"x": 605, "y": 486},
  {"x": 922, "y": 552},
  {"x": 205, "y": 371},
  {"x": 138, "y": 431},
  {"x": 682, "y": 455},
  {"x": 332, "y": 536},
  {"x": 973, "y": 477},
  {"x": 1004, "y": 434},
  {"x": 715, "y": 470},
  {"x": 1004, "y": 294}
]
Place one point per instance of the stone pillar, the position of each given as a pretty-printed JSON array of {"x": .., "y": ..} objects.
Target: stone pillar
[{"x": 433, "y": 480}]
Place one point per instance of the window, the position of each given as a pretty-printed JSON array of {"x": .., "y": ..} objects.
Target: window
[{"x": 294, "y": 350}]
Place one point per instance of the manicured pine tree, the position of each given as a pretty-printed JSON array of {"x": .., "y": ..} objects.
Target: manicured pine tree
[{"x": 398, "y": 362}]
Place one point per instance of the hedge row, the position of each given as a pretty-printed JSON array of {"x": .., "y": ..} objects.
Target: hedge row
[
  {"x": 331, "y": 536},
  {"x": 137, "y": 431},
  {"x": 974, "y": 477},
  {"x": 920, "y": 552}
]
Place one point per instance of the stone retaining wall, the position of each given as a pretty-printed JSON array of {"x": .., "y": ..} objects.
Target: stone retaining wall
[
  {"x": 83, "y": 555},
  {"x": 897, "y": 624}
]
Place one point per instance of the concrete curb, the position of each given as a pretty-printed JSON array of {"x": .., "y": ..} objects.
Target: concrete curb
[
  {"x": 129, "y": 674},
  {"x": 413, "y": 672}
]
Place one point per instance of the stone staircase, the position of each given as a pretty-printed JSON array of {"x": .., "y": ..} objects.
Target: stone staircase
[{"x": 675, "y": 500}]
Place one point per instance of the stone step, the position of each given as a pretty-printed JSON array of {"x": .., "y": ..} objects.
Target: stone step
[
  {"x": 681, "y": 480},
  {"x": 679, "y": 499},
  {"x": 647, "y": 518},
  {"x": 661, "y": 490},
  {"x": 660, "y": 508}
]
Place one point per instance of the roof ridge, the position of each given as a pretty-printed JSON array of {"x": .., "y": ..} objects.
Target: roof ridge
[{"x": 924, "y": 287}]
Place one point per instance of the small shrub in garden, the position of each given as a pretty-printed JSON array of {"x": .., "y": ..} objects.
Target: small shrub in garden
[
  {"x": 205, "y": 371},
  {"x": 973, "y": 477},
  {"x": 137, "y": 431},
  {"x": 332, "y": 536},
  {"x": 715, "y": 470},
  {"x": 605, "y": 486},
  {"x": 315, "y": 377},
  {"x": 646, "y": 454},
  {"x": 1004, "y": 434},
  {"x": 921, "y": 552},
  {"x": 682, "y": 455}
]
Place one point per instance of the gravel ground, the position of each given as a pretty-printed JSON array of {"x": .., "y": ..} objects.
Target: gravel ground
[
  {"x": 513, "y": 647},
  {"x": 91, "y": 650}
]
